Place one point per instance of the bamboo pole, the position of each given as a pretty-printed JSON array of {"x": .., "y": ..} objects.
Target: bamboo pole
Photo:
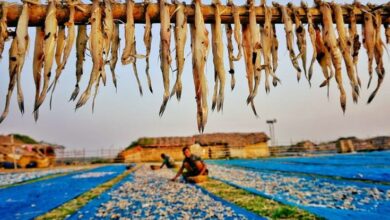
[{"x": 38, "y": 12}]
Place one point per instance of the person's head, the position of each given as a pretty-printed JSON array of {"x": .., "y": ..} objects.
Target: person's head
[
  {"x": 186, "y": 152},
  {"x": 163, "y": 156}
]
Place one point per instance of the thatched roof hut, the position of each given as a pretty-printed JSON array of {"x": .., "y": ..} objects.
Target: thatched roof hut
[{"x": 231, "y": 139}]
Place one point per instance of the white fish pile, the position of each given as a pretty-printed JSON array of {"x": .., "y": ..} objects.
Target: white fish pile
[
  {"x": 332, "y": 47},
  {"x": 151, "y": 195},
  {"x": 92, "y": 175},
  {"x": 307, "y": 191},
  {"x": 11, "y": 178}
]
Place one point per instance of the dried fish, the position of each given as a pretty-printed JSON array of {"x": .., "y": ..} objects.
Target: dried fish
[
  {"x": 180, "y": 38},
  {"x": 165, "y": 52},
  {"x": 13, "y": 70},
  {"x": 369, "y": 40},
  {"x": 148, "y": 42},
  {"x": 96, "y": 45},
  {"x": 312, "y": 34},
  {"x": 81, "y": 45},
  {"x": 256, "y": 47},
  {"x": 288, "y": 28},
  {"x": 387, "y": 32},
  {"x": 115, "y": 43},
  {"x": 49, "y": 49},
  {"x": 3, "y": 26},
  {"x": 108, "y": 27},
  {"x": 301, "y": 37},
  {"x": 354, "y": 38},
  {"x": 200, "y": 48},
  {"x": 274, "y": 51},
  {"x": 248, "y": 53},
  {"x": 378, "y": 53},
  {"x": 134, "y": 64},
  {"x": 323, "y": 58},
  {"x": 217, "y": 48},
  {"x": 129, "y": 33},
  {"x": 344, "y": 45},
  {"x": 237, "y": 29},
  {"x": 229, "y": 36},
  {"x": 332, "y": 45},
  {"x": 38, "y": 64}
]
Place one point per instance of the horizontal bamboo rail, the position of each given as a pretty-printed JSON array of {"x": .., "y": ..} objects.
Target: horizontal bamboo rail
[{"x": 38, "y": 12}]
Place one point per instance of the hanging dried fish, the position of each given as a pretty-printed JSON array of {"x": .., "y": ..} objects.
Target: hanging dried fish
[
  {"x": 288, "y": 28},
  {"x": 248, "y": 53},
  {"x": 237, "y": 29},
  {"x": 256, "y": 46},
  {"x": 274, "y": 51},
  {"x": 332, "y": 45},
  {"x": 165, "y": 52},
  {"x": 217, "y": 48},
  {"x": 115, "y": 43},
  {"x": 354, "y": 38},
  {"x": 134, "y": 64},
  {"x": 266, "y": 42},
  {"x": 301, "y": 37},
  {"x": 81, "y": 45},
  {"x": 129, "y": 33},
  {"x": 378, "y": 53},
  {"x": 3, "y": 26},
  {"x": 148, "y": 42},
  {"x": 229, "y": 36},
  {"x": 67, "y": 44},
  {"x": 312, "y": 34},
  {"x": 200, "y": 48},
  {"x": 108, "y": 27},
  {"x": 38, "y": 64},
  {"x": 323, "y": 58},
  {"x": 13, "y": 70},
  {"x": 180, "y": 38},
  {"x": 344, "y": 45},
  {"x": 96, "y": 48},
  {"x": 49, "y": 49},
  {"x": 369, "y": 40}
]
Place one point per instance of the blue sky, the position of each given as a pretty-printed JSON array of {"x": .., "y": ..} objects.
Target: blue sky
[{"x": 123, "y": 116}]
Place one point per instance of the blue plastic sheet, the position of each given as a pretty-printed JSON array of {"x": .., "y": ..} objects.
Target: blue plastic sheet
[
  {"x": 31, "y": 200},
  {"x": 328, "y": 213},
  {"x": 374, "y": 166}
]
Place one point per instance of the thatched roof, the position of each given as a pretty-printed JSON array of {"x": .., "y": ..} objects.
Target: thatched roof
[
  {"x": 228, "y": 139},
  {"x": 231, "y": 139}
]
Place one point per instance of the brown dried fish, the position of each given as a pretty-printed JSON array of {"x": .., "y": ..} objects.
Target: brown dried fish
[
  {"x": 148, "y": 42},
  {"x": 115, "y": 43},
  {"x": 229, "y": 36},
  {"x": 3, "y": 26},
  {"x": 369, "y": 40},
  {"x": 354, "y": 38},
  {"x": 38, "y": 64},
  {"x": 312, "y": 34},
  {"x": 323, "y": 58},
  {"x": 81, "y": 46},
  {"x": 249, "y": 66}
]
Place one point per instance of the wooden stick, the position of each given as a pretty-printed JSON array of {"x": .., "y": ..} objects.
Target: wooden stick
[{"x": 38, "y": 13}]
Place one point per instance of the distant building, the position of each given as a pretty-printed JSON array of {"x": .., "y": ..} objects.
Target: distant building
[{"x": 208, "y": 146}]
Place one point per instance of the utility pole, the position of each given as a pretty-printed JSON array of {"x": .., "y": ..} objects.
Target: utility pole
[{"x": 272, "y": 131}]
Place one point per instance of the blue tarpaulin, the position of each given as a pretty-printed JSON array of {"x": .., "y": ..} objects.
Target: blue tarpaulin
[
  {"x": 31, "y": 200},
  {"x": 374, "y": 166}
]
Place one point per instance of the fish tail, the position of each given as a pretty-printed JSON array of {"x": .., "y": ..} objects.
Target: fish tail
[
  {"x": 164, "y": 104},
  {"x": 83, "y": 99},
  {"x": 36, "y": 115},
  {"x": 75, "y": 93}
]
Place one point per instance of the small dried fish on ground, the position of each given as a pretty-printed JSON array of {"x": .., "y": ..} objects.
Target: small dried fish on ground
[
  {"x": 200, "y": 48},
  {"x": 219, "y": 69},
  {"x": 38, "y": 60},
  {"x": 49, "y": 49},
  {"x": 81, "y": 46},
  {"x": 3, "y": 26},
  {"x": 165, "y": 51},
  {"x": 256, "y": 47},
  {"x": 96, "y": 48},
  {"x": 344, "y": 45},
  {"x": 288, "y": 28},
  {"x": 301, "y": 37},
  {"x": 13, "y": 70},
  {"x": 378, "y": 53},
  {"x": 332, "y": 45},
  {"x": 354, "y": 38},
  {"x": 323, "y": 58},
  {"x": 249, "y": 66},
  {"x": 180, "y": 38},
  {"x": 148, "y": 42},
  {"x": 312, "y": 34}
]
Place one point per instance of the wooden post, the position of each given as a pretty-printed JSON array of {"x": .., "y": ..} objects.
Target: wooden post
[{"x": 37, "y": 13}]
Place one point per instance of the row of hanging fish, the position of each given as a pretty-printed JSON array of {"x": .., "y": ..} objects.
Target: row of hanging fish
[{"x": 256, "y": 42}]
